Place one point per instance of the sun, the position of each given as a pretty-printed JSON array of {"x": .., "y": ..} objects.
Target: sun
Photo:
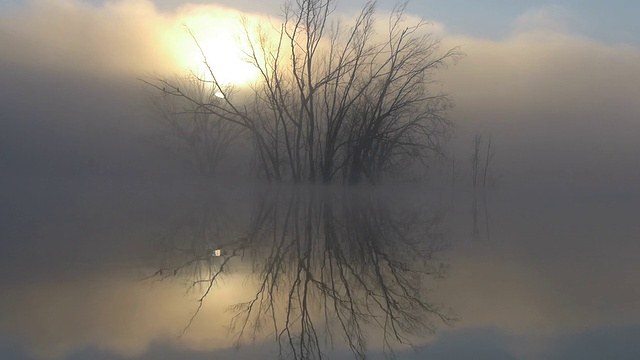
[{"x": 218, "y": 34}]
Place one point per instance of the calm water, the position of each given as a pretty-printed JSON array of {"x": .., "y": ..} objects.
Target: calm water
[{"x": 93, "y": 269}]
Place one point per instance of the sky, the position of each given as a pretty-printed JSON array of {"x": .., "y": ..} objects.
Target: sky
[
  {"x": 557, "y": 79},
  {"x": 611, "y": 21},
  {"x": 554, "y": 83}
]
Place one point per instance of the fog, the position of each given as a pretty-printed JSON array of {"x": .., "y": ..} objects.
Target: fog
[
  {"x": 540, "y": 264},
  {"x": 560, "y": 108}
]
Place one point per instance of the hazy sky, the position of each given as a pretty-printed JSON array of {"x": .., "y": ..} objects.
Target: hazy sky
[
  {"x": 610, "y": 21},
  {"x": 555, "y": 83}
]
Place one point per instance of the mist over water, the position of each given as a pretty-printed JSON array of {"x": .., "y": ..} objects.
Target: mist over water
[{"x": 118, "y": 271}]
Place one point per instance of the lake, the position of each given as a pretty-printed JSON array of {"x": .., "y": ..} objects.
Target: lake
[{"x": 94, "y": 268}]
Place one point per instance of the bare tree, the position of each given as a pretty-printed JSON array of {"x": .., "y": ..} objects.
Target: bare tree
[
  {"x": 201, "y": 137},
  {"x": 475, "y": 160},
  {"x": 480, "y": 166},
  {"x": 330, "y": 267},
  {"x": 335, "y": 101},
  {"x": 487, "y": 161}
]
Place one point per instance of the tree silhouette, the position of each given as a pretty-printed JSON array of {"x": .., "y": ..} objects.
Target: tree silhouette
[
  {"x": 328, "y": 267},
  {"x": 200, "y": 137},
  {"x": 334, "y": 102}
]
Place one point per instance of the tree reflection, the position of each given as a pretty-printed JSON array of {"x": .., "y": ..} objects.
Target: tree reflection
[{"x": 329, "y": 267}]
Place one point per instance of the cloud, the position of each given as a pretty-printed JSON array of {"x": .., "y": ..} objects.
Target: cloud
[
  {"x": 554, "y": 18},
  {"x": 70, "y": 95},
  {"x": 119, "y": 38},
  {"x": 554, "y": 102},
  {"x": 123, "y": 38}
]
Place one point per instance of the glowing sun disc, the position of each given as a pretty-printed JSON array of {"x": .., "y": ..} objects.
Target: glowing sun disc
[{"x": 217, "y": 34}]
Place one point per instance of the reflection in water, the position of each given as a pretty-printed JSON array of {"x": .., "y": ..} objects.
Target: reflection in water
[
  {"x": 475, "y": 216},
  {"x": 559, "y": 275},
  {"x": 329, "y": 268}
]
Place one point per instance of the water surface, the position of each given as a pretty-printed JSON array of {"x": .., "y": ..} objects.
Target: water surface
[{"x": 96, "y": 269}]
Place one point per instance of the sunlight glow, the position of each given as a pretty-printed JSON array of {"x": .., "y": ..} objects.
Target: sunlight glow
[{"x": 219, "y": 34}]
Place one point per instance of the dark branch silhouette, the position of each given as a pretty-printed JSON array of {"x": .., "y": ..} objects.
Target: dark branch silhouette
[
  {"x": 202, "y": 138},
  {"x": 328, "y": 266},
  {"x": 334, "y": 102}
]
